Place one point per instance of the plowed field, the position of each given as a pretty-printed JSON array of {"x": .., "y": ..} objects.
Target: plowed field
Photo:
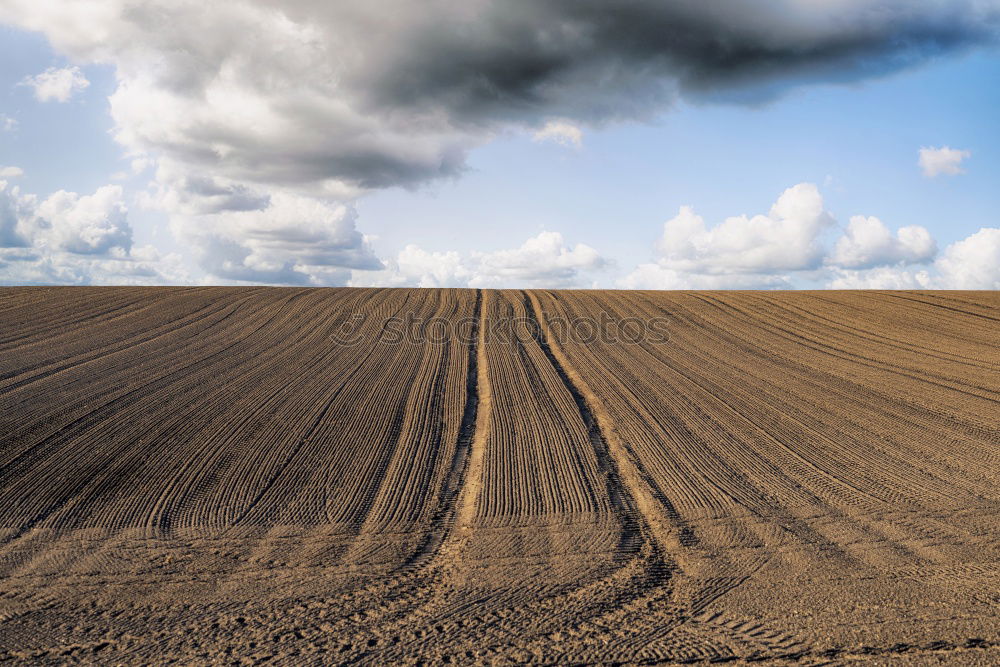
[{"x": 215, "y": 474}]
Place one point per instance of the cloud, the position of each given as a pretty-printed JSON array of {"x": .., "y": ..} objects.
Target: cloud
[
  {"x": 415, "y": 267},
  {"x": 94, "y": 224},
  {"x": 180, "y": 191},
  {"x": 883, "y": 277},
  {"x": 944, "y": 160},
  {"x": 867, "y": 243},
  {"x": 57, "y": 84},
  {"x": 790, "y": 243},
  {"x": 67, "y": 238},
  {"x": 65, "y": 221},
  {"x": 16, "y": 212},
  {"x": 11, "y": 172},
  {"x": 291, "y": 240},
  {"x": 972, "y": 263},
  {"x": 740, "y": 252},
  {"x": 785, "y": 239},
  {"x": 145, "y": 266},
  {"x": 7, "y": 124},
  {"x": 347, "y": 97},
  {"x": 560, "y": 132},
  {"x": 140, "y": 164},
  {"x": 544, "y": 260}
]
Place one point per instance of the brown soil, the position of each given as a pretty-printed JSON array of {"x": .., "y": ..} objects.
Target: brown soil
[{"x": 207, "y": 475}]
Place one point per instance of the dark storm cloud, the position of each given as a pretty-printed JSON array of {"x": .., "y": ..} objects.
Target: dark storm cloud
[
  {"x": 594, "y": 60},
  {"x": 333, "y": 99}
]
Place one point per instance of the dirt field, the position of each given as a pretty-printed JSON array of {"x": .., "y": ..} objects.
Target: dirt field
[{"x": 222, "y": 474}]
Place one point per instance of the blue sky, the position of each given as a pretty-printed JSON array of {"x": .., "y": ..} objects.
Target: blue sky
[{"x": 517, "y": 210}]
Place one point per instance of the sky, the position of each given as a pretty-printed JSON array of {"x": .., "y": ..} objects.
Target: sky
[{"x": 632, "y": 144}]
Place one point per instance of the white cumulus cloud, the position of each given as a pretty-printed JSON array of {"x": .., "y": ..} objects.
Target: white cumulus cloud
[
  {"x": 790, "y": 243},
  {"x": 11, "y": 172},
  {"x": 740, "y": 251},
  {"x": 867, "y": 243},
  {"x": 785, "y": 239},
  {"x": 943, "y": 160},
  {"x": 544, "y": 260},
  {"x": 65, "y": 221},
  {"x": 59, "y": 84},
  {"x": 16, "y": 214},
  {"x": 67, "y": 238},
  {"x": 89, "y": 225},
  {"x": 972, "y": 263},
  {"x": 415, "y": 267}
]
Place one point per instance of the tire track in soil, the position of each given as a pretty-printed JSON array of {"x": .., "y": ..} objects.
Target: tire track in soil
[
  {"x": 635, "y": 584},
  {"x": 444, "y": 518},
  {"x": 658, "y": 521},
  {"x": 641, "y": 522},
  {"x": 635, "y": 527},
  {"x": 418, "y": 583},
  {"x": 630, "y": 588},
  {"x": 371, "y": 522}
]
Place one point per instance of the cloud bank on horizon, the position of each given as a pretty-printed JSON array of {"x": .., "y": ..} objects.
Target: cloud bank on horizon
[
  {"x": 769, "y": 251},
  {"x": 266, "y": 120}
]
